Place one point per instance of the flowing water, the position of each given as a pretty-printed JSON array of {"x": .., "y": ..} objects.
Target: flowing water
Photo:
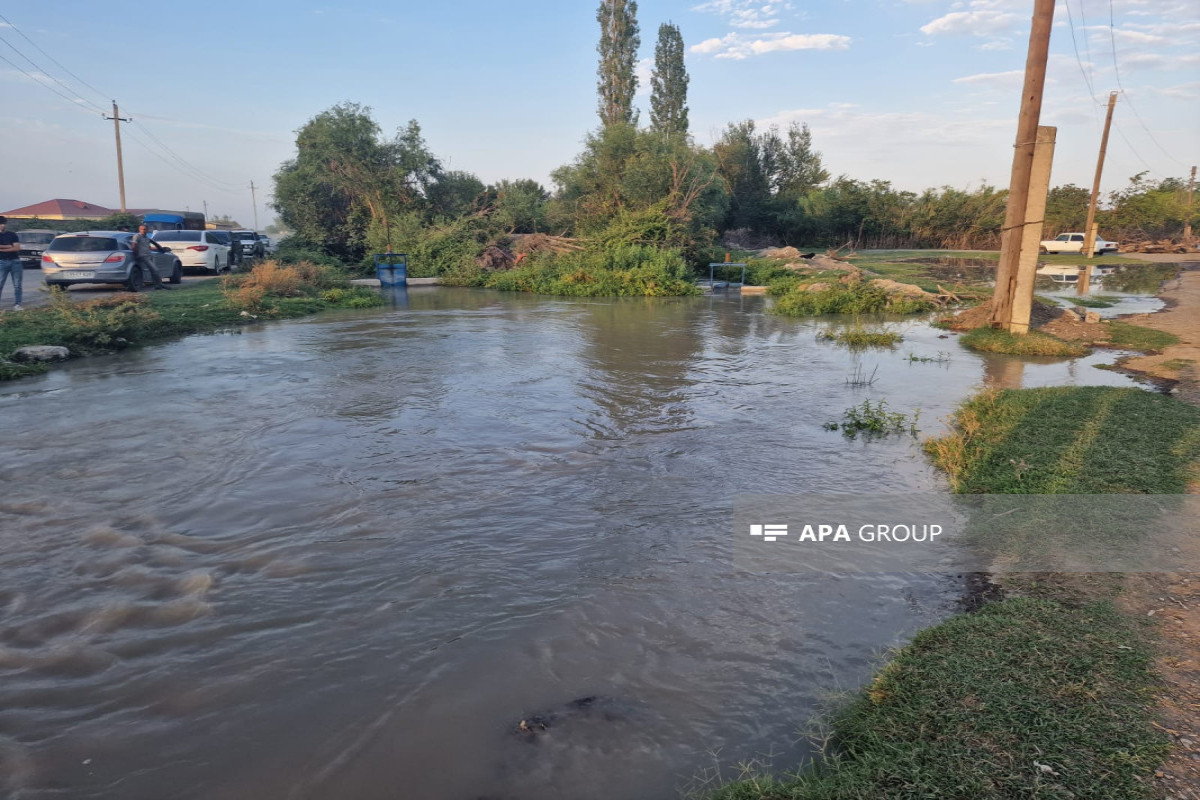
[{"x": 347, "y": 556}]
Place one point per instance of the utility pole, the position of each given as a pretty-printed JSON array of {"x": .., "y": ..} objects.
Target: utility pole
[
  {"x": 1187, "y": 225},
  {"x": 1035, "y": 215},
  {"x": 1023, "y": 154},
  {"x": 117, "y": 119},
  {"x": 205, "y": 210},
  {"x": 254, "y": 202},
  {"x": 1089, "y": 230}
]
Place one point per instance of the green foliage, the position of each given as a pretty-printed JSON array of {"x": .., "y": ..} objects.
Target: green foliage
[
  {"x": 767, "y": 174},
  {"x": 873, "y": 420},
  {"x": 519, "y": 206},
  {"x": 104, "y": 323},
  {"x": 294, "y": 249},
  {"x": 860, "y": 338},
  {"x": 445, "y": 246},
  {"x": 1135, "y": 337},
  {"x": 619, "y": 42},
  {"x": 1066, "y": 209},
  {"x": 353, "y": 297},
  {"x": 1034, "y": 343},
  {"x": 623, "y": 271},
  {"x": 854, "y": 298},
  {"x": 668, "y": 83},
  {"x": 1148, "y": 210}
]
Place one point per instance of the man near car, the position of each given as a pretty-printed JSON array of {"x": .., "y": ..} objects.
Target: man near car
[
  {"x": 140, "y": 243},
  {"x": 10, "y": 262}
]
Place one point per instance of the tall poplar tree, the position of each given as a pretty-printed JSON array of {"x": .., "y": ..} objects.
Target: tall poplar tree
[
  {"x": 618, "y": 48},
  {"x": 669, "y": 82}
]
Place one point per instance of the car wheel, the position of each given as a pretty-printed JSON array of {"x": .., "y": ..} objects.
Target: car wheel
[
  {"x": 134, "y": 282},
  {"x": 1043, "y": 251},
  {"x": 177, "y": 273}
]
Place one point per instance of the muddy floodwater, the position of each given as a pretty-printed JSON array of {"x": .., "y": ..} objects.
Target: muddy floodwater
[{"x": 346, "y": 557}]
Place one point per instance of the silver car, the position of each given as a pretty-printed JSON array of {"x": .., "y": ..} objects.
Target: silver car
[{"x": 104, "y": 257}]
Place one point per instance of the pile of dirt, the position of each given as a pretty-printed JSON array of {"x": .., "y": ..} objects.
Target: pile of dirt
[
  {"x": 495, "y": 259},
  {"x": 904, "y": 289},
  {"x": 980, "y": 316},
  {"x": 780, "y": 253},
  {"x": 1158, "y": 246}
]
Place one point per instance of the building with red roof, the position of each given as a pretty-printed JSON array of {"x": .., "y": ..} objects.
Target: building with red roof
[{"x": 60, "y": 209}]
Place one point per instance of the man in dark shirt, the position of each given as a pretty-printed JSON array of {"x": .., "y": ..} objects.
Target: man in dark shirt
[
  {"x": 10, "y": 262},
  {"x": 140, "y": 243}
]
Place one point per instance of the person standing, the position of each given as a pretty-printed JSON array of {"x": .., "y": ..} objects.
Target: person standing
[
  {"x": 142, "y": 255},
  {"x": 10, "y": 262}
]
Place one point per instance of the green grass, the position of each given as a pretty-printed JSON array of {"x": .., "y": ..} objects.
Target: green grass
[
  {"x": 968, "y": 707},
  {"x": 1034, "y": 343},
  {"x": 858, "y": 338},
  {"x": 874, "y": 420},
  {"x": 1070, "y": 440},
  {"x": 1098, "y": 301},
  {"x": 1134, "y": 337},
  {"x": 120, "y": 321},
  {"x": 1177, "y": 364},
  {"x": 854, "y": 298}
]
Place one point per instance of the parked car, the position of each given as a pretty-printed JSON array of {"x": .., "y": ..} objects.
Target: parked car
[
  {"x": 251, "y": 246},
  {"x": 104, "y": 257},
  {"x": 1073, "y": 243},
  {"x": 33, "y": 242},
  {"x": 235, "y": 249},
  {"x": 267, "y": 245},
  {"x": 197, "y": 249}
]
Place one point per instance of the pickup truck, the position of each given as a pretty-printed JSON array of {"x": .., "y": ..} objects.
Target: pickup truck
[{"x": 1073, "y": 243}]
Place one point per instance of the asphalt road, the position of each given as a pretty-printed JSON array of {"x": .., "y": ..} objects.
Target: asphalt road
[{"x": 34, "y": 291}]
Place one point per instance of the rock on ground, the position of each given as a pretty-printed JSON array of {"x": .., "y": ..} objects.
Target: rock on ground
[{"x": 41, "y": 352}]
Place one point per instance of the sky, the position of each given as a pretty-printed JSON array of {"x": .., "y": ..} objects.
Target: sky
[{"x": 920, "y": 93}]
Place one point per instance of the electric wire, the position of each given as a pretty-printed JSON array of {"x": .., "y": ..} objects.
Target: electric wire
[
  {"x": 75, "y": 102},
  {"x": 38, "y": 67},
  {"x": 184, "y": 162},
  {"x": 1075, "y": 45},
  {"x": 52, "y": 58},
  {"x": 1112, "y": 33}
]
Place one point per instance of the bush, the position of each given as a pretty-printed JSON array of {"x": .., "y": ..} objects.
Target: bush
[
  {"x": 106, "y": 322},
  {"x": 294, "y": 250},
  {"x": 854, "y": 298},
  {"x": 624, "y": 271},
  {"x": 271, "y": 279}
]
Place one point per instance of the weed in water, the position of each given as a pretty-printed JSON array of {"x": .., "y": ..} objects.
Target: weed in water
[
  {"x": 941, "y": 358},
  {"x": 859, "y": 338},
  {"x": 860, "y": 377},
  {"x": 874, "y": 419}
]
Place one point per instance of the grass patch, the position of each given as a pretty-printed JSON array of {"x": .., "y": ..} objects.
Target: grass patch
[
  {"x": 854, "y": 298},
  {"x": 1034, "y": 343},
  {"x": 873, "y": 420},
  {"x": 1098, "y": 301},
  {"x": 1134, "y": 337},
  {"x": 972, "y": 708},
  {"x": 1177, "y": 364},
  {"x": 859, "y": 338},
  {"x": 123, "y": 320},
  {"x": 1070, "y": 440}
]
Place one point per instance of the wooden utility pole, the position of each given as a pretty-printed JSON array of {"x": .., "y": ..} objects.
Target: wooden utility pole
[
  {"x": 117, "y": 119},
  {"x": 1187, "y": 225},
  {"x": 254, "y": 202},
  {"x": 1035, "y": 215},
  {"x": 1023, "y": 152},
  {"x": 1089, "y": 230}
]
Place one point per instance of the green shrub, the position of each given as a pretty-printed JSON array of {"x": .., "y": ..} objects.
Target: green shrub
[
  {"x": 853, "y": 298},
  {"x": 293, "y": 250},
  {"x": 106, "y": 322}
]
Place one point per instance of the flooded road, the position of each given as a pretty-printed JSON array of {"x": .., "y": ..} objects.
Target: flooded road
[{"x": 347, "y": 556}]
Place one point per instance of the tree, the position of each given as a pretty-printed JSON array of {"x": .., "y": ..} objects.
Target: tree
[
  {"x": 668, "y": 83},
  {"x": 1066, "y": 209},
  {"x": 619, "y": 42},
  {"x": 519, "y": 206}
]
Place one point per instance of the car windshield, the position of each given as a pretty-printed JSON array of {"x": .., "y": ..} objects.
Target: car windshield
[
  {"x": 28, "y": 237},
  {"x": 83, "y": 244},
  {"x": 1063, "y": 237},
  {"x": 245, "y": 236},
  {"x": 177, "y": 236}
]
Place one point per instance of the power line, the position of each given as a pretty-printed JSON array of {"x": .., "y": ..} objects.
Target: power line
[
  {"x": 184, "y": 162},
  {"x": 1074, "y": 44},
  {"x": 38, "y": 67},
  {"x": 172, "y": 164},
  {"x": 52, "y": 58},
  {"x": 73, "y": 101},
  {"x": 1112, "y": 34}
]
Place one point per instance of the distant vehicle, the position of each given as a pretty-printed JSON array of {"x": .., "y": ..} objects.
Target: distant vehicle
[
  {"x": 1073, "y": 243},
  {"x": 33, "y": 242},
  {"x": 235, "y": 249},
  {"x": 103, "y": 257},
  {"x": 174, "y": 220},
  {"x": 197, "y": 249},
  {"x": 251, "y": 246},
  {"x": 268, "y": 246}
]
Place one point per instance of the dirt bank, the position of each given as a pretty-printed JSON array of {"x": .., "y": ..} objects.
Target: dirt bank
[{"x": 1180, "y": 362}]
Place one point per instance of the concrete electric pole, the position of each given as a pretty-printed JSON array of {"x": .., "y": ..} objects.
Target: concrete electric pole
[
  {"x": 1089, "y": 230},
  {"x": 1015, "y": 218},
  {"x": 254, "y": 202},
  {"x": 117, "y": 119},
  {"x": 1187, "y": 225}
]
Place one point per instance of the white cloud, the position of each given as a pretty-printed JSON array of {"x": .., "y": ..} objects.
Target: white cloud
[
  {"x": 1184, "y": 91},
  {"x": 644, "y": 69},
  {"x": 997, "y": 44},
  {"x": 739, "y": 46},
  {"x": 748, "y": 14},
  {"x": 982, "y": 22},
  {"x": 994, "y": 79}
]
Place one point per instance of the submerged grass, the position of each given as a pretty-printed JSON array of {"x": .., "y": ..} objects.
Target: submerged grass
[
  {"x": 1034, "y": 343},
  {"x": 854, "y": 298},
  {"x": 859, "y": 338}
]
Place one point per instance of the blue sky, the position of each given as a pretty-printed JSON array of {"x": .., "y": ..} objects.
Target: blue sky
[{"x": 917, "y": 92}]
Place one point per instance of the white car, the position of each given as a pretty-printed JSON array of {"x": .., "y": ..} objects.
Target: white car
[
  {"x": 196, "y": 249},
  {"x": 1073, "y": 243}
]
